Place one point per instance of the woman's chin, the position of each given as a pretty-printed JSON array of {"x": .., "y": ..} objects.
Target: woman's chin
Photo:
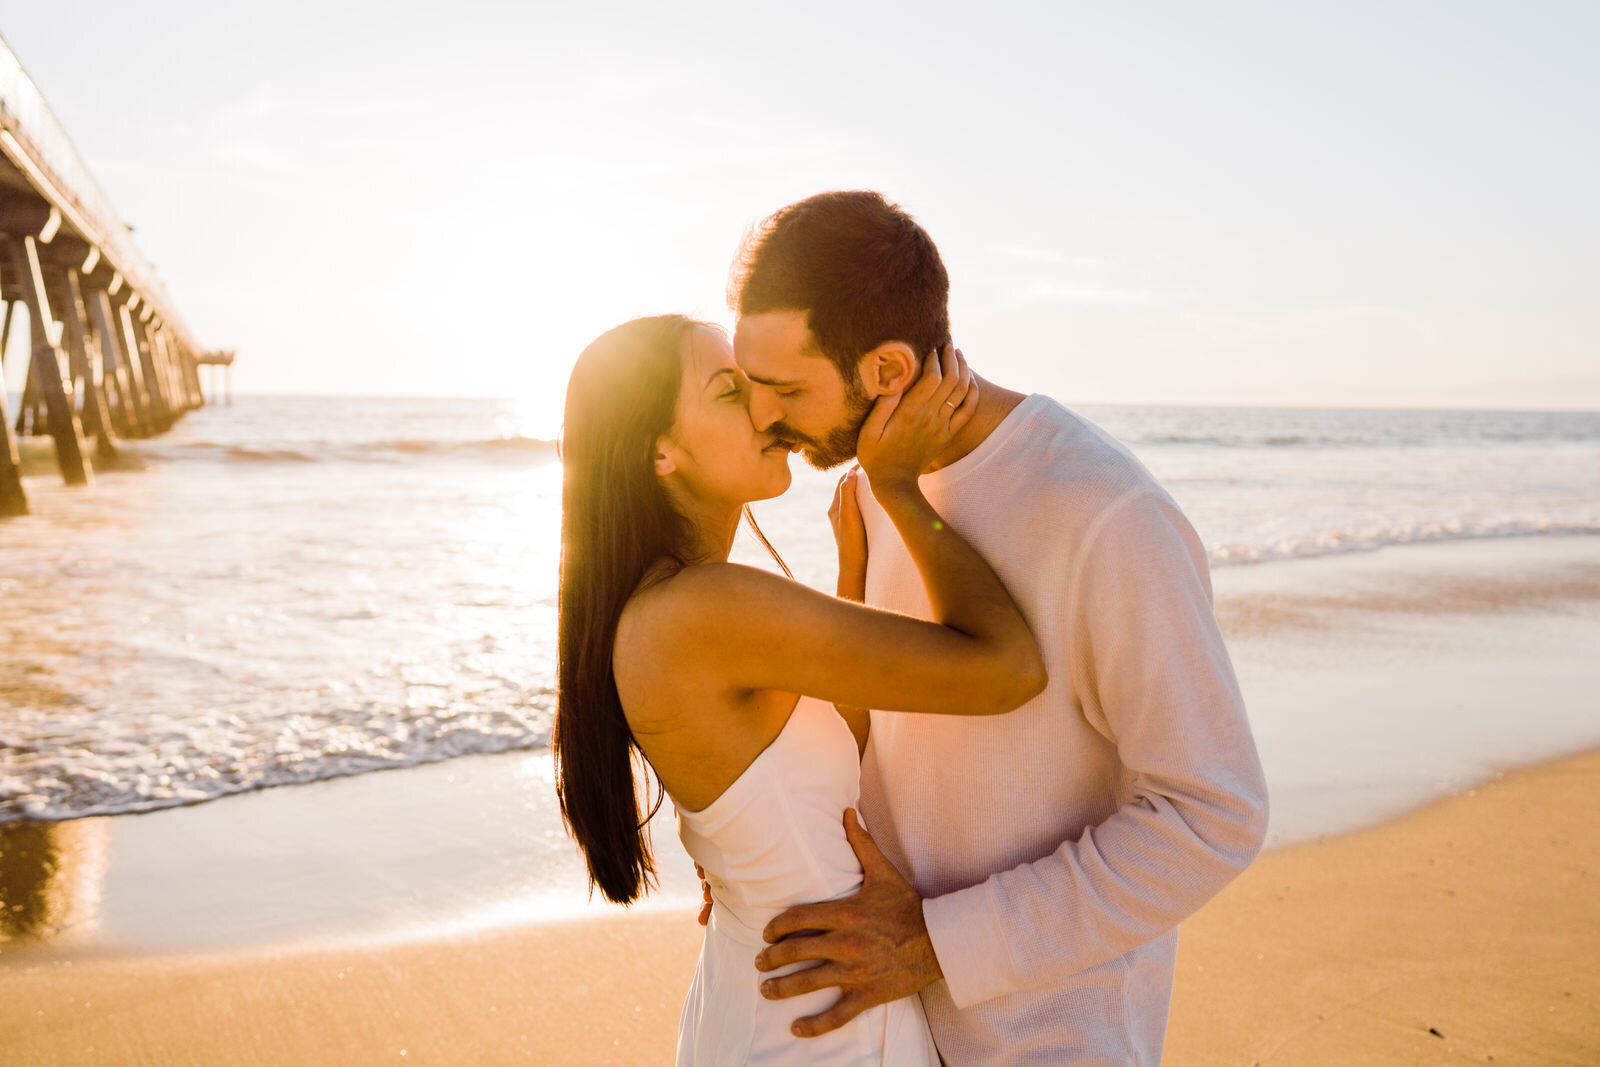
[
  {"x": 781, "y": 486},
  {"x": 778, "y": 481}
]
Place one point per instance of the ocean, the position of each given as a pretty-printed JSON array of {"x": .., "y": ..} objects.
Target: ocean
[{"x": 289, "y": 589}]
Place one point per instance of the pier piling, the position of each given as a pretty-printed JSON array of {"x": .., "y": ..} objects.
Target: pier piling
[
  {"x": 154, "y": 374},
  {"x": 144, "y": 378},
  {"x": 45, "y": 368},
  {"x": 86, "y": 369},
  {"x": 128, "y": 415},
  {"x": 13, "y": 501}
]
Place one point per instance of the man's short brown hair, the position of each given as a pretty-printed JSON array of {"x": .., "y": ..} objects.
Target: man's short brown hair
[{"x": 859, "y": 267}]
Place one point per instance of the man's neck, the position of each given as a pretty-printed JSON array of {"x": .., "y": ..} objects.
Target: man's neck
[{"x": 994, "y": 404}]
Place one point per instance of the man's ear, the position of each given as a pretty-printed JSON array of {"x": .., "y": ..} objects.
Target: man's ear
[{"x": 890, "y": 368}]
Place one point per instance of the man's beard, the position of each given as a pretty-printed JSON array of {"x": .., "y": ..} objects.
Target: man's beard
[{"x": 839, "y": 446}]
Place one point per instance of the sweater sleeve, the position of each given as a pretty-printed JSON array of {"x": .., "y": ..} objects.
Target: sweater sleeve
[{"x": 1151, "y": 673}]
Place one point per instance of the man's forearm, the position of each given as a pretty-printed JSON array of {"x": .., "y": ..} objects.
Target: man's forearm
[{"x": 1133, "y": 877}]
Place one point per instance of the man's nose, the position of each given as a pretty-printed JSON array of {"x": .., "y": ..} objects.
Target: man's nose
[{"x": 764, "y": 407}]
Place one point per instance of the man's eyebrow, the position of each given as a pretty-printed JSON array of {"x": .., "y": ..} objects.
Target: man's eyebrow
[{"x": 776, "y": 383}]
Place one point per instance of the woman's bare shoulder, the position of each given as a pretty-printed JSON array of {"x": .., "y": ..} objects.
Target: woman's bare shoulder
[
  {"x": 700, "y": 596},
  {"x": 675, "y": 618},
  {"x": 677, "y": 636}
]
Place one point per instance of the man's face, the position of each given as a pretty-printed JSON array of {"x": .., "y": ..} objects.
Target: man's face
[{"x": 797, "y": 393}]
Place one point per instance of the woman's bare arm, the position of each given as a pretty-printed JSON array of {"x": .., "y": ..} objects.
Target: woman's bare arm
[{"x": 745, "y": 629}]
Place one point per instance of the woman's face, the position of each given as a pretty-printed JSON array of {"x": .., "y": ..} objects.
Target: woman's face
[{"x": 716, "y": 454}]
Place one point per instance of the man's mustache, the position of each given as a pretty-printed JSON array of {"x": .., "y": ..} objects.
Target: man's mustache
[{"x": 780, "y": 431}]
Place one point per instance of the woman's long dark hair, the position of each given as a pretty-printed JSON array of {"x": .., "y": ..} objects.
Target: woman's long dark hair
[{"x": 617, "y": 526}]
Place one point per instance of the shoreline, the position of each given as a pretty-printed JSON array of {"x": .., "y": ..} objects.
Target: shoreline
[
  {"x": 1252, "y": 598},
  {"x": 1247, "y": 607},
  {"x": 1449, "y": 933},
  {"x": 1376, "y": 683}
]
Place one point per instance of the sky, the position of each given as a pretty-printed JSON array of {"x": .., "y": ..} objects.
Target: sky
[{"x": 1324, "y": 203}]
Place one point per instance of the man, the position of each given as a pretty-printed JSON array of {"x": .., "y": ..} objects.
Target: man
[{"x": 1049, "y": 854}]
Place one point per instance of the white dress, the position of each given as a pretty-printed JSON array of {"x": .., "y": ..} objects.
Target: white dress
[{"x": 773, "y": 839}]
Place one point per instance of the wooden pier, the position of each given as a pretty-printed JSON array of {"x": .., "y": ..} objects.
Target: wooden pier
[{"x": 109, "y": 356}]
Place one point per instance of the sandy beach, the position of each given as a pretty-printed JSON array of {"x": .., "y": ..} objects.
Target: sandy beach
[
  {"x": 388, "y": 917},
  {"x": 1466, "y": 932}
]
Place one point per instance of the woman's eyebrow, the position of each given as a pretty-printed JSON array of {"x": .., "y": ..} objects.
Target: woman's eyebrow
[{"x": 718, "y": 373}]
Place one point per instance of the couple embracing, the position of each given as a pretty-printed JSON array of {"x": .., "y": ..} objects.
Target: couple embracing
[{"x": 1020, "y": 685}]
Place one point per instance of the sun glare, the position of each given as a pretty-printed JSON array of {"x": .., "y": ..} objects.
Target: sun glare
[{"x": 538, "y": 414}]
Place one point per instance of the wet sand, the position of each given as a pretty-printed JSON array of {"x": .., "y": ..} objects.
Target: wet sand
[{"x": 433, "y": 910}]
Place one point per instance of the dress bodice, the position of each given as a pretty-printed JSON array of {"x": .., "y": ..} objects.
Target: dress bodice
[{"x": 775, "y": 837}]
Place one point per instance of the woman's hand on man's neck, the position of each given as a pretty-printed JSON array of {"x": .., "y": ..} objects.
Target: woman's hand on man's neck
[{"x": 994, "y": 404}]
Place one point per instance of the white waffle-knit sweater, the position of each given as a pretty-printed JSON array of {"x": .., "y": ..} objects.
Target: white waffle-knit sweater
[{"x": 1057, "y": 847}]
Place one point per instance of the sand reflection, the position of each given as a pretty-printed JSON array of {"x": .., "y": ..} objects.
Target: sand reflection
[{"x": 52, "y": 875}]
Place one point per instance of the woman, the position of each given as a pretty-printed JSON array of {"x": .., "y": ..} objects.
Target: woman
[{"x": 668, "y": 650}]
